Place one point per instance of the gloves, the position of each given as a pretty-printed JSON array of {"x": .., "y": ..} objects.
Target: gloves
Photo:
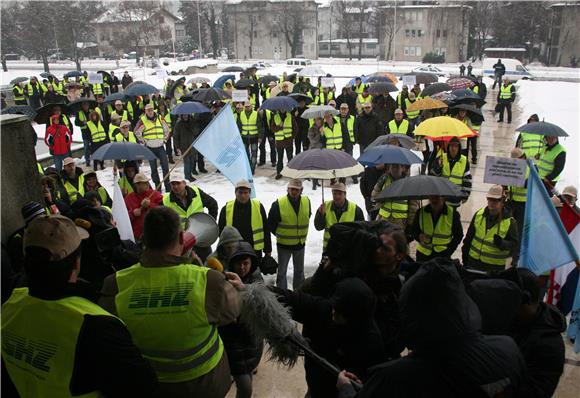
[{"x": 498, "y": 241}]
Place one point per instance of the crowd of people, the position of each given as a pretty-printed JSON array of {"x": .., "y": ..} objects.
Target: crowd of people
[{"x": 86, "y": 312}]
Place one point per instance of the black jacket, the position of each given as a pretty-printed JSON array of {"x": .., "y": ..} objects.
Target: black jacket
[
  {"x": 456, "y": 233},
  {"x": 367, "y": 127},
  {"x": 208, "y": 202},
  {"x": 350, "y": 100},
  {"x": 242, "y": 221}
]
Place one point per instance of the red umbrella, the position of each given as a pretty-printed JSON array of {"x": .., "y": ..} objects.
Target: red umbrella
[{"x": 458, "y": 83}]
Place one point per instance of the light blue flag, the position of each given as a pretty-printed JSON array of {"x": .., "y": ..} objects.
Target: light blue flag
[
  {"x": 545, "y": 242},
  {"x": 221, "y": 143}
]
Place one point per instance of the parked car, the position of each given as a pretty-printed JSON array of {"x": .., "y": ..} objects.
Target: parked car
[
  {"x": 298, "y": 62},
  {"x": 430, "y": 69},
  {"x": 514, "y": 70},
  {"x": 261, "y": 65}
]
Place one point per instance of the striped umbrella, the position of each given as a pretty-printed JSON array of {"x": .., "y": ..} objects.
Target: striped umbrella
[{"x": 458, "y": 83}]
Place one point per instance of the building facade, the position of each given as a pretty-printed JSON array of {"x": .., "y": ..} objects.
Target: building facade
[
  {"x": 563, "y": 46},
  {"x": 273, "y": 29}
]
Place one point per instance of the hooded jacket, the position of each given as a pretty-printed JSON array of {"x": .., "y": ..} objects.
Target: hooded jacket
[{"x": 229, "y": 235}]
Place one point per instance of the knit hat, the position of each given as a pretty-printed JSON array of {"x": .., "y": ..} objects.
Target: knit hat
[
  {"x": 31, "y": 210},
  {"x": 57, "y": 234}
]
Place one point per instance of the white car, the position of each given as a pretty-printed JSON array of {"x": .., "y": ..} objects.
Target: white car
[
  {"x": 431, "y": 69},
  {"x": 261, "y": 65}
]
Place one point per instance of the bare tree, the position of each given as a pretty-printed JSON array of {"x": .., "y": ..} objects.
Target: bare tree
[
  {"x": 340, "y": 15},
  {"x": 10, "y": 42},
  {"x": 210, "y": 13},
  {"x": 37, "y": 36},
  {"x": 481, "y": 19},
  {"x": 139, "y": 23},
  {"x": 291, "y": 26},
  {"x": 363, "y": 20},
  {"x": 391, "y": 28}
]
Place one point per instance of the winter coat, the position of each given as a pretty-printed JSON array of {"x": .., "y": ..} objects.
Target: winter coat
[
  {"x": 286, "y": 142},
  {"x": 126, "y": 80},
  {"x": 58, "y": 138},
  {"x": 449, "y": 358},
  {"x": 183, "y": 135},
  {"x": 368, "y": 180},
  {"x": 349, "y": 99},
  {"x": 384, "y": 107},
  {"x": 133, "y": 201},
  {"x": 229, "y": 235},
  {"x": 367, "y": 127},
  {"x": 315, "y": 138}
]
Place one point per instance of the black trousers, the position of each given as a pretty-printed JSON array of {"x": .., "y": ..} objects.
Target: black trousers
[
  {"x": 505, "y": 105},
  {"x": 471, "y": 144},
  {"x": 262, "y": 148},
  {"x": 280, "y": 151}
]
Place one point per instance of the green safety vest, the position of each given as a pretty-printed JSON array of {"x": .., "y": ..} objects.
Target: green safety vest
[
  {"x": 293, "y": 228},
  {"x": 39, "y": 342},
  {"x": 253, "y": 100},
  {"x": 164, "y": 310},
  {"x": 119, "y": 137},
  {"x": 73, "y": 192},
  {"x": 58, "y": 87},
  {"x": 456, "y": 174},
  {"x": 482, "y": 247},
  {"x": 153, "y": 130},
  {"x": 130, "y": 109},
  {"x": 268, "y": 90},
  {"x": 113, "y": 131},
  {"x": 286, "y": 131},
  {"x": 83, "y": 118},
  {"x": 475, "y": 89},
  {"x": 505, "y": 92},
  {"x": 532, "y": 144},
  {"x": 546, "y": 164},
  {"x": 359, "y": 89},
  {"x": 400, "y": 129},
  {"x": 256, "y": 221},
  {"x": 440, "y": 235},
  {"x": 196, "y": 206},
  {"x": 333, "y": 136},
  {"x": 323, "y": 99},
  {"x": 410, "y": 114},
  {"x": 125, "y": 184},
  {"x": 97, "y": 88},
  {"x": 520, "y": 194},
  {"x": 249, "y": 124},
  {"x": 39, "y": 88},
  {"x": 349, "y": 127},
  {"x": 19, "y": 94},
  {"x": 97, "y": 131},
  {"x": 362, "y": 100},
  {"x": 40, "y": 169},
  {"x": 124, "y": 115},
  {"x": 330, "y": 217},
  {"x": 396, "y": 208}
]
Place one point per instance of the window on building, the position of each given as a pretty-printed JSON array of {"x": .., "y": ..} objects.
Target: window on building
[
  {"x": 413, "y": 33},
  {"x": 445, "y": 33},
  {"x": 420, "y": 33},
  {"x": 335, "y": 47},
  {"x": 438, "y": 33},
  {"x": 323, "y": 47},
  {"x": 407, "y": 33},
  {"x": 412, "y": 51},
  {"x": 418, "y": 51},
  {"x": 406, "y": 51},
  {"x": 555, "y": 36},
  {"x": 275, "y": 34},
  {"x": 371, "y": 46}
]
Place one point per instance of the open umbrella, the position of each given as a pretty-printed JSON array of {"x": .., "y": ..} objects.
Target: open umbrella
[
  {"x": 376, "y": 79},
  {"x": 291, "y": 77},
  {"x": 426, "y": 103},
  {"x": 47, "y": 75},
  {"x": 312, "y": 71},
  {"x": 474, "y": 113},
  {"x": 388, "y": 75},
  {"x": 123, "y": 150},
  {"x": 382, "y": 88},
  {"x": 388, "y": 154},
  {"x": 322, "y": 163},
  {"x": 43, "y": 113},
  {"x": 284, "y": 103},
  {"x": 141, "y": 89},
  {"x": 106, "y": 76},
  {"x": 543, "y": 128},
  {"x": 363, "y": 79},
  {"x": 443, "y": 128},
  {"x": 171, "y": 91},
  {"x": 233, "y": 69},
  {"x": 445, "y": 97},
  {"x": 420, "y": 187},
  {"x": 73, "y": 73},
  {"x": 207, "y": 95},
  {"x": 187, "y": 108},
  {"x": 220, "y": 81},
  {"x": 198, "y": 80},
  {"x": 116, "y": 96},
  {"x": 18, "y": 80},
  {"x": 465, "y": 95},
  {"x": 301, "y": 97},
  {"x": 245, "y": 83},
  {"x": 318, "y": 111},
  {"x": 25, "y": 110},
  {"x": 458, "y": 83},
  {"x": 435, "y": 88},
  {"x": 267, "y": 79},
  {"x": 423, "y": 78},
  {"x": 404, "y": 140},
  {"x": 75, "y": 106},
  {"x": 133, "y": 84},
  {"x": 278, "y": 89}
]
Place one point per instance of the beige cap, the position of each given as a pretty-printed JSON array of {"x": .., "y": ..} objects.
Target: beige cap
[
  {"x": 556, "y": 201},
  {"x": 295, "y": 183},
  {"x": 176, "y": 178},
  {"x": 140, "y": 177},
  {"x": 495, "y": 192},
  {"x": 272, "y": 84},
  {"x": 118, "y": 102},
  {"x": 68, "y": 161},
  {"x": 339, "y": 186},
  {"x": 115, "y": 116},
  {"x": 516, "y": 153},
  {"x": 398, "y": 110},
  {"x": 570, "y": 190},
  {"x": 57, "y": 234},
  {"x": 243, "y": 184},
  {"x": 412, "y": 95},
  {"x": 149, "y": 106},
  {"x": 125, "y": 123}
]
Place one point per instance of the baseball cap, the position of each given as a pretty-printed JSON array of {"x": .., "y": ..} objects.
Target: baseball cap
[
  {"x": 115, "y": 116},
  {"x": 367, "y": 105},
  {"x": 339, "y": 186},
  {"x": 149, "y": 106},
  {"x": 243, "y": 184},
  {"x": 31, "y": 210},
  {"x": 295, "y": 183},
  {"x": 516, "y": 153},
  {"x": 398, "y": 110},
  {"x": 495, "y": 192},
  {"x": 68, "y": 161},
  {"x": 176, "y": 178},
  {"x": 140, "y": 177},
  {"x": 57, "y": 234},
  {"x": 571, "y": 191}
]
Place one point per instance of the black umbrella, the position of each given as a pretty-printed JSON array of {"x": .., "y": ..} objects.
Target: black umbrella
[
  {"x": 141, "y": 89},
  {"x": 43, "y": 113},
  {"x": 73, "y": 73},
  {"x": 25, "y": 110},
  {"x": 106, "y": 76},
  {"x": 267, "y": 79},
  {"x": 284, "y": 103},
  {"x": 543, "y": 128},
  {"x": 404, "y": 140},
  {"x": 291, "y": 77},
  {"x": 245, "y": 83},
  {"x": 47, "y": 75},
  {"x": 420, "y": 187},
  {"x": 435, "y": 88},
  {"x": 18, "y": 80},
  {"x": 382, "y": 88},
  {"x": 116, "y": 96},
  {"x": 75, "y": 106},
  {"x": 233, "y": 69},
  {"x": 465, "y": 96},
  {"x": 301, "y": 97},
  {"x": 474, "y": 113},
  {"x": 423, "y": 78},
  {"x": 171, "y": 91},
  {"x": 123, "y": 150},
  {"x": 210, "y": 95}
]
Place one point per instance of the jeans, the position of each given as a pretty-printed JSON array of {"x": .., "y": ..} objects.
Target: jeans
[
  {"x": 188, "y": 166},
  {"x": 162, "y": 156},
  {"x": 496, "y": 81},
  {"x": 284, "y": 255},
  {"x": 251, "y": 145},
  {"x": 57, "y": 159},
  {"x": 87, "y": 151},
  {"x": 262, "y": 147},
  {"x": 280, "y": 152},
  {"x": 505, "y": 105}
]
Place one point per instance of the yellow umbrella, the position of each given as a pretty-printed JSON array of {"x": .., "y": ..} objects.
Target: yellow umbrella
[
  {"x": 426, "y": 103},
  {"x": 443, "y": 128},
  {"x": 388, "y": 75}
]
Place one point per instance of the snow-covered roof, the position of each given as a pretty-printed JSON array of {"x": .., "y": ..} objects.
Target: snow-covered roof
[
  {"x": 113, "y": 15},
  {"x": 86, "y": 44},
  {"x": 356, "y": 10},
  {"x": 353, "y": 41},
  {"x": 504, "y": 49},
  {"x": 428, "y": 6}
]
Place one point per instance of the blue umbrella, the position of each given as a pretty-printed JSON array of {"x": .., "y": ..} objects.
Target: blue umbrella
[
  {"x": 279, "y": 103},
  {"x": 116, "y": 96},
  {"x": 74, "y": 73},
  {"x": 123, "y": 150},
  {"x": 219, "y": 83},
  {"x": 388, "y": 154},
  {"x": 376, "y": 79},
  {"x": 362, "y": 78},
  {"x": 187, "y": 108},
  {"x": 141, "y": 89}
]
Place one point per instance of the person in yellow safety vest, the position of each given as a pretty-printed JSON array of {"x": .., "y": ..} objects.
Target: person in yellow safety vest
[
  {"x": 570, "y": 196},
  {"x": 325, "y": 96},
  {"x": 289, "y": 218},
  {"x": 505, "y": 97},
  {"x": 97, "y": 89},
  {"x": 124, "y": 134},
  {"x": 492, "y": 235},
  {"x": 531, "y": 144},
  {"x": 358, "y": 86},
  {"x": 398, "y": 211},
  {"x": 517, "y": 195},
  {"x": 417, "y": 90},
  {"x": 98, "y": 135},
  {"x": 249, "y": 217},
  {"x": 72, "y": 179},
  {"x": 455, "y": 167},
  {"x": 172, "y": 307},
  {"x": 552, "y": 162},
  {"x": 284, "y": 127},
  {"x": 463, "y": 117},
  {"x": 268, "y": 92},
  {"x": 332, "y": 132},
  {"x": 411, "y": 115},
  {"x": 251, "y": 129},
  {"x": 81, "y": 119},
  {"x": 399, "y": 125},
  {"x": 64, "y": 329},
  {"x": 58, "y": 86},
  {"x": 92, "y": 184},
  {"x": 437, "y": 229},
  {"x": 129, "y": 170},
  {"x": 252, "y": 97},
  {"x": 114, "y": 126},
  {"x": 402, "y": 96},
  {"x": 18, "y": 94},
  {"x": 34, "y": 91},
  {"x": 362, "y": 99},
  {"x": 339, "y": 209},
  {"x": 120, "y": 110}
]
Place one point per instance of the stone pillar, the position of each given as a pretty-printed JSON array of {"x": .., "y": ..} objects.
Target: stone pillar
[{"x": 20, "y": 178}]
